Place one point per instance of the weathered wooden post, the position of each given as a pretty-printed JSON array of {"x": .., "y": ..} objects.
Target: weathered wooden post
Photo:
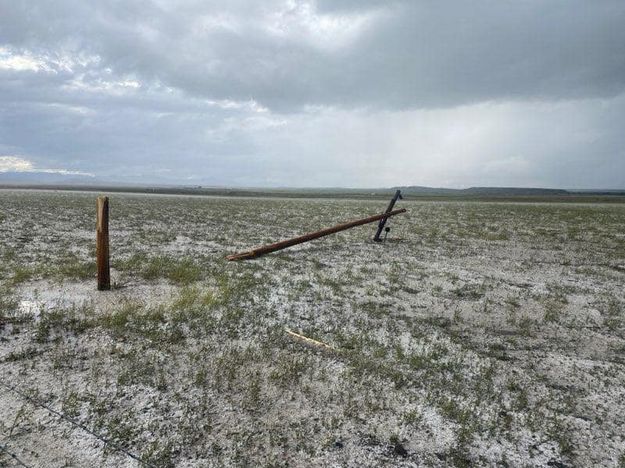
[{"x": 102, "y": 244}]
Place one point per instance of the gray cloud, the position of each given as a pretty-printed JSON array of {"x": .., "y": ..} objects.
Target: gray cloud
[
  {"x": 337, "y": 92},
  {"x": 391, "y": 55}
]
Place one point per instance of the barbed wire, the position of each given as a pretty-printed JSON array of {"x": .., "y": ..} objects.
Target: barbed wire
[
  {"x": 4, "y": 449},
  {"x": 107, "y": 442}
]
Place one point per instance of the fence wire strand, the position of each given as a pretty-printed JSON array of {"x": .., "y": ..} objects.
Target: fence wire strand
[
  {"x": 4, "y": 449},
  {"x": 107, "y": 442}
]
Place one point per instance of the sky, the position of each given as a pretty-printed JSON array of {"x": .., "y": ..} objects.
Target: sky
[{"x": 326, "y": 93}]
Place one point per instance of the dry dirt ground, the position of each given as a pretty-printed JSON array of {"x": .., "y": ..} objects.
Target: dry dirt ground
[{"x": 479, "y": 334}]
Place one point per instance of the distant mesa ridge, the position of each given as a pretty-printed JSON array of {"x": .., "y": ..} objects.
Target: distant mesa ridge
[
  {"x": 61, "y": 181},
  {"x": 39, "y": 178},
  {"x": 485, "y": 191}
]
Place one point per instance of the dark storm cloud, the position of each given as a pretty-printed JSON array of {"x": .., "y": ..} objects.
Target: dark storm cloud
[
  {"x": 404, "y": 55},
  {"x": 339, "y": 92}
]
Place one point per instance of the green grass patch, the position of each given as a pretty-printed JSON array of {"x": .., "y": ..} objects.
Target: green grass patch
[{"x": 181, "y": 271}]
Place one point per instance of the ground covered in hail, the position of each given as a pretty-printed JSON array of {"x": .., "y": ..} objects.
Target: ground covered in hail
[{"x": 478, "y": 334}]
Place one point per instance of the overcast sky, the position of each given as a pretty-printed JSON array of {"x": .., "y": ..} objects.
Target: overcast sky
[{"x": 354, "y": 93}]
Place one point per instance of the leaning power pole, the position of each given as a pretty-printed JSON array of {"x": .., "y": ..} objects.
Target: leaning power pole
[{"x": 388, "y": 210}]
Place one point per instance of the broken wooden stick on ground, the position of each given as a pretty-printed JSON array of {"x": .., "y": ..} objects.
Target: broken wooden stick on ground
[{"x": 310, "y": 341}]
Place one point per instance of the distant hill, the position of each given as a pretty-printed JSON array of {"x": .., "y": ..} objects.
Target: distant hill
[
  {"x": 38, "y": 178},
  {"x": 483, "y": 191},
  {"x": 56, "y": 181}
]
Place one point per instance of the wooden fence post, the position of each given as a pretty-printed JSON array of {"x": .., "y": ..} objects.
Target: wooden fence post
[{"x": 102, "y": 244}]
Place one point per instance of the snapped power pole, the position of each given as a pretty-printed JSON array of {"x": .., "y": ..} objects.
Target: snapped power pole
[
  {"x": 382, "y": 222},
  {"x": 257, "y": 252}
]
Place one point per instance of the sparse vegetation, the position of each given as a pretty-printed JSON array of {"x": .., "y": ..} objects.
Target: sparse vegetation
[{"x": 475, "y": 326}]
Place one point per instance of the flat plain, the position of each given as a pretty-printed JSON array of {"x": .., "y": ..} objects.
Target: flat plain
[{"x": 478, "y": 334}]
